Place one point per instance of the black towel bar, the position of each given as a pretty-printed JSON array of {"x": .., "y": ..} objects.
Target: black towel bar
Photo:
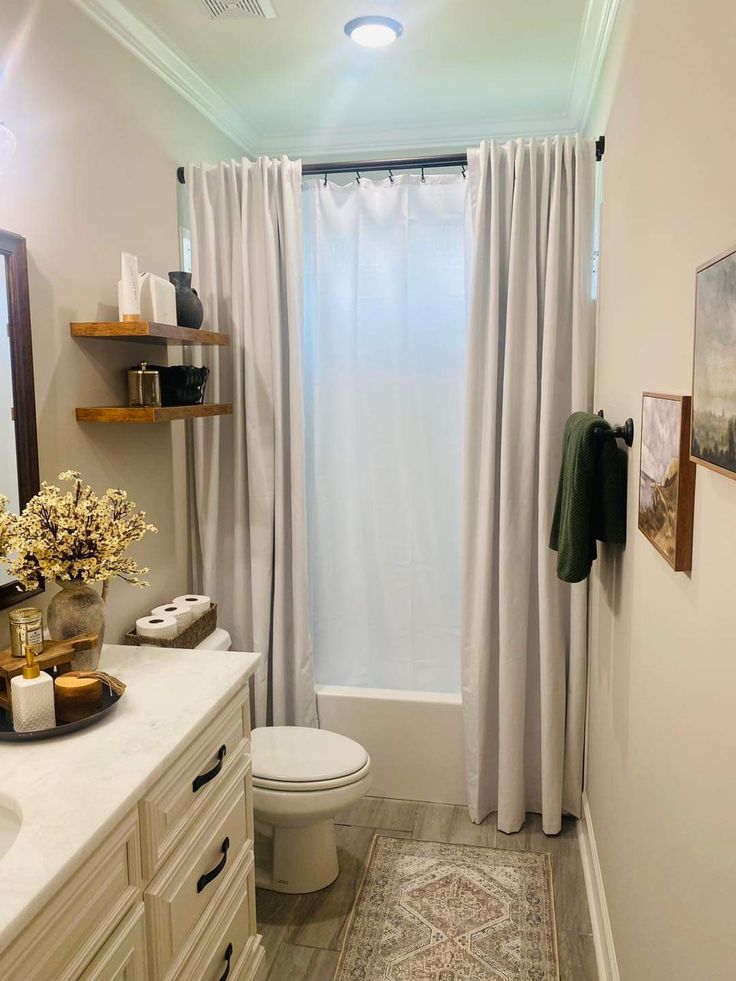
[{"x": 625, "y": 432}]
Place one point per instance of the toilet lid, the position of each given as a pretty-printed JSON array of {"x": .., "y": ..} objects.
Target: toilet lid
[{"x": 295, "y": 754}]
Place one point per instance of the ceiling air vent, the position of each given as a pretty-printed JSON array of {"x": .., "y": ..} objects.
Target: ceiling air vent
[{"x": 240, "y": 8}]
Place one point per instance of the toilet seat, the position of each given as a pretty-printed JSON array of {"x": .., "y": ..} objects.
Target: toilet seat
[
  {"x": 299, "y": 759},
  {"x": 302, "y": 786}
]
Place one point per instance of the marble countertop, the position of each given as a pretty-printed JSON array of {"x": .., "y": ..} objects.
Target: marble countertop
[{"x": 72, "y": 790}]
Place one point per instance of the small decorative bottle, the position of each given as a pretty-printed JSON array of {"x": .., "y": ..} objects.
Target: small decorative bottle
[{"x": 32, "y": 696}]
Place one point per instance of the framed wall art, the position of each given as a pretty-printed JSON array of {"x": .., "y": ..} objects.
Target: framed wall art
[
  {"x": 713, "y": 442},
  {"x": 667, "y": 478}
]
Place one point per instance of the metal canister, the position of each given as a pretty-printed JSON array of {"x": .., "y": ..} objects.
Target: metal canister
[
  {"x": 144, "y": 386},
  {"x": 26, "y": 627}
]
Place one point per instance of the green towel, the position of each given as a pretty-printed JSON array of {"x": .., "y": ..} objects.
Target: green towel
[{"x": 591, "y": 496}]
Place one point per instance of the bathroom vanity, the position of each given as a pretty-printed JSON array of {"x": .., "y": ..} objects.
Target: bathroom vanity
[{"x": 126, "y": 849}]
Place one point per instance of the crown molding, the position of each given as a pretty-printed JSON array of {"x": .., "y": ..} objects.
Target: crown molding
[
  {"x": 340, "y": 142},
  {"x": 598, "y": 23},
  {"x": 170, "y": 65},
  {"x": 158, "y": 55}
]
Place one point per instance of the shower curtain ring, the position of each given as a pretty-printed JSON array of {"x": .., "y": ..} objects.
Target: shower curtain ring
[
  {"x": 423, "y": 181},
  {"x": 357, "y": 174},
  {"x": 463, "y": 170},
  {"x": 325, "y": 183},
  {"x": 391, "y": 175}
]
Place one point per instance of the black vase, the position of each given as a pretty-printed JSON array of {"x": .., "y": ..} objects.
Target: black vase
[{"x": 189, "y": 309}]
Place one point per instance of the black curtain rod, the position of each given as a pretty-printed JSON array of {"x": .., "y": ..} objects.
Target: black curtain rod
[
  {"x": 407, "y": 163},
  {"x": 368, "y": 166}
]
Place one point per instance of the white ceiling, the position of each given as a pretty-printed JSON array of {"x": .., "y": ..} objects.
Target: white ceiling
[{"x": 461, "y": 71}]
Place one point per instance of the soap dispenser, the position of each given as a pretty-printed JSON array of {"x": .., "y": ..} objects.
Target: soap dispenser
[{"x": 32, "y": 696}]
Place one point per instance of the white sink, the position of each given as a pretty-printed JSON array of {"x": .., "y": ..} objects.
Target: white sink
[{"x": 10, "y": 822}]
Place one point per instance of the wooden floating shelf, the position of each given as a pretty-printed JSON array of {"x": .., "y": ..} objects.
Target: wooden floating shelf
[
  {"x": 166, "y": 413},
  {"x": 148, "y": 332}
]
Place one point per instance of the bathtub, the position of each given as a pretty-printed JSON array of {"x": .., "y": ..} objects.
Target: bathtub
[{"x": 415, "y": 739}]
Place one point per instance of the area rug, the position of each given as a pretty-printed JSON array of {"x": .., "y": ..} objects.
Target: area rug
[{"x": 429, "y": 911}]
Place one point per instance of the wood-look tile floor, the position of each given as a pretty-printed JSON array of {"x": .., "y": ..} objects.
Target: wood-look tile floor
[{"x": 303, "y": 934}]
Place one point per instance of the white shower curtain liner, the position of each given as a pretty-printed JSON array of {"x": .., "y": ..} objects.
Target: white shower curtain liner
[
  {"x": 247, "y": 472},
  {"x": 530, "y": 350},
  {"x": 385, "y": 322}
]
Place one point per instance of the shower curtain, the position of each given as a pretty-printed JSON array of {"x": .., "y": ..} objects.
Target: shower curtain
[
  {"x": 530, "y": 349},
  {"x": 384, "y": 374},
  {"x": 247, "y": 472}
]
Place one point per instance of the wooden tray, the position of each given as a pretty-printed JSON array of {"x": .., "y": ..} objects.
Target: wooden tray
[{"x": 194, "y": 633}]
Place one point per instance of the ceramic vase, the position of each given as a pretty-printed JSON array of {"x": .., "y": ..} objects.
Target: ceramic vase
[
  {"x": 78, "y": 609},
  {"x": 189, "y": 309}
]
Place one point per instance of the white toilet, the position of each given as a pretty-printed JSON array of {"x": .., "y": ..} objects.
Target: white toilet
[{"x": 301, "y": 779}]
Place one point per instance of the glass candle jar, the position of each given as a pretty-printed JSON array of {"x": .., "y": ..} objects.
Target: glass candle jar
[
  {"x": 26, "y": 627},
  {"x": 144, "y": 386}
]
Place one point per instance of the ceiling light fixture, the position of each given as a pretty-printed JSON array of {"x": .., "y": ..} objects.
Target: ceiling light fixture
[{"x": 373, "y": 32}]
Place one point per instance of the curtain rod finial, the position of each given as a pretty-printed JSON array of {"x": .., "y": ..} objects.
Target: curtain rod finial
[
  {"x": 600, "y": 148},
  {"x": 180, "y": 175}
]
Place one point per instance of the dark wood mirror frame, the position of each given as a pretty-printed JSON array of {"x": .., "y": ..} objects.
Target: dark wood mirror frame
[{"x": 13, "y": 250}]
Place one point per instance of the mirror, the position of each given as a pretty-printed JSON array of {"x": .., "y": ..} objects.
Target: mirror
[{"x": 18, "y": 442}]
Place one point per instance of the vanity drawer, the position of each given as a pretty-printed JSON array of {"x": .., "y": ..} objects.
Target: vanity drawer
[
  {"x": 252, "y": 964},
  {"x": 199, "y": 872},
  {"x": 123, "y": 958},
  {"x": 63, "y": 938},
  {"x": 229, "y": 942},
  {"x": 191, "y": 782}
]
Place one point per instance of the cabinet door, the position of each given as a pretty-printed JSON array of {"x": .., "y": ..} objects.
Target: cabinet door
[
  {"x": 76, "y": 923},
  {"x": 123, "y": 958}
]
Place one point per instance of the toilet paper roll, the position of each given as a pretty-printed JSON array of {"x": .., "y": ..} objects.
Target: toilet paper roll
[
  {"x": 197, "y": 604},
  {"x": 182, "y": 614},
  {"x": 162, "y": 627}
]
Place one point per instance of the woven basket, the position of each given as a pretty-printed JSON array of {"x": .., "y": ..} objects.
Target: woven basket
[{"x": 194, "y": 633}]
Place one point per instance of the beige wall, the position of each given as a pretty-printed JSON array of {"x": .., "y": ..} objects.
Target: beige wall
[
  {"x": 99, "y": 137},
  {"x": 662, "y": 729}
]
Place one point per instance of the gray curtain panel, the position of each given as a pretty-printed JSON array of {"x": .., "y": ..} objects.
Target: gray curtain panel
[
  {"x": 530, "y": 364},
  {"x": 247, "y": 472}
]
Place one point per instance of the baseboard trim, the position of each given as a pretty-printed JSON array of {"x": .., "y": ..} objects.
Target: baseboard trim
[{"x": 605, "y": 952}]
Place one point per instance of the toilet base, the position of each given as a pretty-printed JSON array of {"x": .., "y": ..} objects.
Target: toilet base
[{"x": 296, "y": 860}]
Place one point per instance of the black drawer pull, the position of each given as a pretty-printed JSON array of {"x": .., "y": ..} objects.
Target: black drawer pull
[
  {"x": 228, "y": 955},
  {"x": 204, "y": 778},
  {"x": 204, "y": 880}
]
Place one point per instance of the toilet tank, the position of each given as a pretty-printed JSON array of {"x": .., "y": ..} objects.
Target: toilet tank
[{"x": 218, "y": 640}]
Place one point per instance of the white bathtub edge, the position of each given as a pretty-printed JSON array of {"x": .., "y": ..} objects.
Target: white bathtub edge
[
  {"x": 390, "y": 694},
  {"x": 414, "y": 739}
]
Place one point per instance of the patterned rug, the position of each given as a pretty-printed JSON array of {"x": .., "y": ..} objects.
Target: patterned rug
[{"x": 428, "y": 911}]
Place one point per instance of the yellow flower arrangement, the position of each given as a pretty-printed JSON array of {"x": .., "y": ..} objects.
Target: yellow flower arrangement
[
  {"x": 6, "y": 524},
  {"x": 73, "y": 536}
]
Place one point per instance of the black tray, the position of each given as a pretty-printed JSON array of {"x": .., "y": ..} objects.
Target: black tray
[{"x": 9, "y": 735}]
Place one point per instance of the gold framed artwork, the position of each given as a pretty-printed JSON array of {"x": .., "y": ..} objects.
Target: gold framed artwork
[
  {"x": 667, "y": 478},
  {"x": 713, "y": 440}
]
